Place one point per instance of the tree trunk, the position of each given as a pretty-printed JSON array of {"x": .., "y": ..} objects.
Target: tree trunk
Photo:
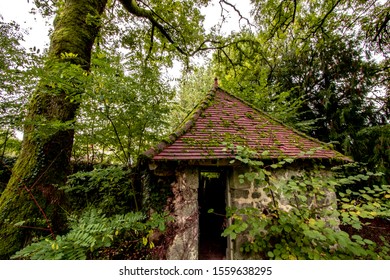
[{"x": 32, "y": 193}]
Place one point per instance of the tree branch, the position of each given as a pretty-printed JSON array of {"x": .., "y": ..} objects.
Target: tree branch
[
  {"x": 107, "y": 115},
  {"x": 221, "y": 45},
  {"x": 132, "y": 7},
  {"x": 151, "y": 43},
  {"x": 294, "y": 12},
  {"x": 283, "y": 22},
  {"x": 383, "y": 27},
  {"x": 236, "y": 10},
  {"x": 231, "y": 62},
  {"x": 325, "y": 17}
]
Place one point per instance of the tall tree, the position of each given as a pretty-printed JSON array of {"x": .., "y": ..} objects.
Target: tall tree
[
  {"x": 311, "y": 54},
  {"x": 121, "y": 115},
  {"x": 32, "y": 193},
  {"x": 334, "y": 81},
  {"x": 43, "y": 163}
]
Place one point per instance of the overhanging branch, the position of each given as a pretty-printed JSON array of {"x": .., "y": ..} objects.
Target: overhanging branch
[
  {"x": 236, "y": 10},
  {"x": 132, "y": 7}
]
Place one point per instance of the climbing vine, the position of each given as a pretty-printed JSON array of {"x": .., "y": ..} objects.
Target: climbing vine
[{"x": 308, "y": 227}]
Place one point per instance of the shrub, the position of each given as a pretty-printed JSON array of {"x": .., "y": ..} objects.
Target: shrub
[{"x": 110, "y": 189}]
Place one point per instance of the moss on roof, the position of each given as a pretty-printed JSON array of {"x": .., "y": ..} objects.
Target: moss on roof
[{"x": 222, "y": 119}]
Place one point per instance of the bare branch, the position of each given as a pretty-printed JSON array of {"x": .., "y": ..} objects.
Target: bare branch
[
  {"x": 218, "y": 45},
  {"x": 283, "y": 22},
  {"x": 132, "y": 7},
  {"x": 236, "y": 10},
  {"x": 294, "y": 12},
  {"x": 162, "y": 19},
  {"x": 163, "y": 26}
]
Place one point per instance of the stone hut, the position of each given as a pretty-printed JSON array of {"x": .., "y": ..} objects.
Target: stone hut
[{"x": 196, "y": 163}]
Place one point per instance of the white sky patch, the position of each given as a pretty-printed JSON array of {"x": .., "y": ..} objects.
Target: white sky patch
[
  {"x": 19, "y": 11},
  {"x": 233, "y": 22}
]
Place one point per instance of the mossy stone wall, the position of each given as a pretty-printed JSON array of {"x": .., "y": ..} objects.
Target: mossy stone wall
[{"x": 185, "y": 204}]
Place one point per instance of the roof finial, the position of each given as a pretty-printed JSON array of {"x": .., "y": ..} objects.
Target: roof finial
[{"x": 215, "y": 83}]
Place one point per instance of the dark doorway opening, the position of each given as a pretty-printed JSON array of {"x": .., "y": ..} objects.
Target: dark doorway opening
[{"x": 212, "y": 215}]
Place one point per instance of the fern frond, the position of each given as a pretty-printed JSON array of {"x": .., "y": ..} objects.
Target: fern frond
[{"x": 93, "y": 230}]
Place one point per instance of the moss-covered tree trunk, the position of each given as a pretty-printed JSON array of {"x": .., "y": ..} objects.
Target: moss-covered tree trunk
[{"x": 43, "y": 163}]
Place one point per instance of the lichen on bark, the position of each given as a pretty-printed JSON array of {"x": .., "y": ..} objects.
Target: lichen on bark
[{"x": 43, "y": 163}]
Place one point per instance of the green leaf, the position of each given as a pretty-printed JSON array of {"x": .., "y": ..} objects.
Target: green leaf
[
  {"x": 21, "y": 223},
  {"x": 287, "y": 228},
  {"x": 265, "y": 153}
]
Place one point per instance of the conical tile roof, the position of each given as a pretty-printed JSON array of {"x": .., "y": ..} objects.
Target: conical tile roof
[{"x": 223, "y": 121}]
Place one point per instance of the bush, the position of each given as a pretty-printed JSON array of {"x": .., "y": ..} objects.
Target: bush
[
  {"x": 110, "y": 189},
  {"x": 308, "y": 231}
]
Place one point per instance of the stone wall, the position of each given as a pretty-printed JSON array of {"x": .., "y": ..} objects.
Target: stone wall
[
  {"x": 248, "y": 194},
  {"x": 184, "y": 205}
]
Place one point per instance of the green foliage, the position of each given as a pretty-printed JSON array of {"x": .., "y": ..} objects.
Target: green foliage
[
  {"x": 365, "y": 203},
  {"x": 193, "y": 87},
  {"x": 110, "y": 189},
  {"x": 17, "y": 77},
  {"x": 292, "y": 235},
  {"x": 91, "y": 232},
  {"x": 9, "y": 145},
  {"x": 372, "y": 147},
  {"x": 124, "y": 110},
  {"x": 310, "y": 65},
  {"x": 366, "y": 20},
  {"x": 301, "y": 221},
  {"x": 320, "y": 86}
]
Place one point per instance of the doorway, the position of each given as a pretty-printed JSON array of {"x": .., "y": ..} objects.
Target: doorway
[{"x": 212, "y": 215}]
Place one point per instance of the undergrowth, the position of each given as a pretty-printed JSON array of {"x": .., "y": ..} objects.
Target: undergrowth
[
  {"x": 94, "y": 231},
  {"x": 104, "y": 221},
  {"x": 110, "y": 189}
]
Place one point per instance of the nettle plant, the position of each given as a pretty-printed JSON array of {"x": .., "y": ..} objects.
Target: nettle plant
[{"x": 307, "y": 226}]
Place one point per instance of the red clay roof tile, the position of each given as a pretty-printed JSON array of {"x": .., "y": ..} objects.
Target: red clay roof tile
[{"x": 223, "y": 118}]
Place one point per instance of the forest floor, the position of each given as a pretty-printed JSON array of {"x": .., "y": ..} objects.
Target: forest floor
[{"x": 373, "y": 230}]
